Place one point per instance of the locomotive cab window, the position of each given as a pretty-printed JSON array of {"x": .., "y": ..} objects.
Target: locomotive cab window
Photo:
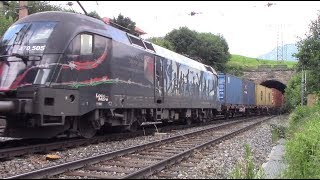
[
  {"x": 86, "y": 44},
  {"x": 74, "y": 47},
  {"x": 85, "y": 51},
  {"x": 149, "y": 46},
  {"x": 136, "y": 41},
  {"x": 99, "y": 47},
  {"x": 86, "y": 47}
]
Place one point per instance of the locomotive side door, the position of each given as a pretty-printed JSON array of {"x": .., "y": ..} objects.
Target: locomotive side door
[{"x": 158, "y": 81}]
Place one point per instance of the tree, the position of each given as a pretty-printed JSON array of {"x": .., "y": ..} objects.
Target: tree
[
  {"x": 5, "y": 24},
  {"x": 160, "y": 41},
  {"x": 126, "y": 24},
  {"x": 293, "y": 92},
  {"x": 206, "y": 48},
  {"x": 183, "y": 39},
  {"x": 33, "y": 7},
  {"x": 11, "y": 13},
  {"x": 214, "y": 50},
  {"x": 309, "y": 56},
  {"x": 94, "y": 14}
]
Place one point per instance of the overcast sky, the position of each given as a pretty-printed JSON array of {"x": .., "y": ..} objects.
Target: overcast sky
[{"x": 251, "y": 28}]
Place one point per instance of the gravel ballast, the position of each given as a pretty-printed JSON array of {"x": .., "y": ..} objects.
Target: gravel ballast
[
  {"x": 225, "y": 155},
  {"x": 216, "y": 165}
]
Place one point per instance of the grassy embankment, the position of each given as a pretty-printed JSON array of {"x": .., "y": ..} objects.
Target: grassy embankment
[
  {"x": 303, "y": 143},
  {"x": 239, "y": 63}
]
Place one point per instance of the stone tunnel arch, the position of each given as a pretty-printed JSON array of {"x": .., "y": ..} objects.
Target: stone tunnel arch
[
  {"x": 270, "y": 78},
  {"x": 274, "y": 84}
]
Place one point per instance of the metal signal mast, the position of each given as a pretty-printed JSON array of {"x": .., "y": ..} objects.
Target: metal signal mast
[
  {"x": 281, "y": 49},
  {"x": 280, "y": 44}
]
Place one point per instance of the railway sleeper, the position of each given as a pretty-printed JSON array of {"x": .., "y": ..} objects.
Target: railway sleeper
[
  {"x": 93, "y": 175},
  {"x": 127, "y": 164},
  {"x": 109, "y": 169}
]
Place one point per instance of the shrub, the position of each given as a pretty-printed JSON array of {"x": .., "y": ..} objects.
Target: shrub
[{"x": 303, "y": 149}]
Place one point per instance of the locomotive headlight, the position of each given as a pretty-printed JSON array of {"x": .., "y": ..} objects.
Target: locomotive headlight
[{"x": 70, "y": 98}]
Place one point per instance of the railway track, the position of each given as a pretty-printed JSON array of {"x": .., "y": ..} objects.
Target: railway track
[
  {"x": 143, "y": 160},
  {"x": 23, "y": 147},
  {"x": 18, "y": 147}
]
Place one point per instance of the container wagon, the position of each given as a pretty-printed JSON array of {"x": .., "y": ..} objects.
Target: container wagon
[
  {"x": 230, "y": 91},
  {"x": 269, "y": 97},
  {"x": 249, "y": 96},
  {"x": 261, "y": 102},
  {"x": 277, "y": 100}
]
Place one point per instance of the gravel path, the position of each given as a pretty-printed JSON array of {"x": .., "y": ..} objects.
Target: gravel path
[{"x": 216, "y": 165}]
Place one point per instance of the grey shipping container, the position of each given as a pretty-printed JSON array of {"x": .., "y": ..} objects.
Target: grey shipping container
[
  {"x": 249, "y": 92},
  {"x": 230, "y": 89}
]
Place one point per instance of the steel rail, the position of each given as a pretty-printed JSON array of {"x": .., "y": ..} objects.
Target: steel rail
[{"x": 58, "y": 169}]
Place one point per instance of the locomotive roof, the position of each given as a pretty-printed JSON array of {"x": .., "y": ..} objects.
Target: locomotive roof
[
  {"x": 80, "y": 22},
  {"x": 181, "y": 59}
]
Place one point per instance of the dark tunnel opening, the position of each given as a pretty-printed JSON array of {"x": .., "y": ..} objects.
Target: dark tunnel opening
[{"x": 274, "y": 84}]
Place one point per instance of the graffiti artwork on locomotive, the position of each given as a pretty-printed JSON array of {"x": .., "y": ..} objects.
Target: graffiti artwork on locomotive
[{"x": 70, "y": 74}]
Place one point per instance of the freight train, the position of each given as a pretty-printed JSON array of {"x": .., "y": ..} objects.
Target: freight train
[
  {"x": 242, "y": 96},
  {"x": 67, "y": 74}
]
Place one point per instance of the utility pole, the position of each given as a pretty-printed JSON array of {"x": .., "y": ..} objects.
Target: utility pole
[
  {"x": 279, "y": 47},
  {"x": 302, "y": 88},
  {"x": 303, "y": 85},
  {"x": 23, "y": 9}
]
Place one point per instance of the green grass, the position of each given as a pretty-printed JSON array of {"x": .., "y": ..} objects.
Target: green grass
[
  {"x": 277, "y": 132},
  {"x": 245, "y": 169},
  {"x": 248, "y": 63},
  {"x": 303, "y": 146}
]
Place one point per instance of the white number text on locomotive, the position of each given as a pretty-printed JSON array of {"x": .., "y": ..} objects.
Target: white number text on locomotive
[{"x": 32, "y": 48}]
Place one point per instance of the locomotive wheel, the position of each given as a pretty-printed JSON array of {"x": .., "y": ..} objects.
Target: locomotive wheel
[
  {"x": 134, "y": 127},
  {"x": 188, "y": 121},
  {"x": 226, "y": 115},
  {"x": 85, "y": 128},
  {"x": 202, "y": 120}
]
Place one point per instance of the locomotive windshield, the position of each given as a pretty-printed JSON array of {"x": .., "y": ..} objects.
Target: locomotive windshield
[
  {"x": 21, "y": 49},
  {"x": 26, "y": 38}
]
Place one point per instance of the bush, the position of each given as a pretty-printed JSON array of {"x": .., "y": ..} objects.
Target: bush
[
  {"x": 300, "y": 115},
  {"x": 293, "y": 92},
  {"x": 5, "y": 24},
  {"x": 303, "y": 149}
]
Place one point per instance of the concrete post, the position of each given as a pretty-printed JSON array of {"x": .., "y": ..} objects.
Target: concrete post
[
  {"x": 302, "y": 87},
  {"x": 23, "y": 9}
]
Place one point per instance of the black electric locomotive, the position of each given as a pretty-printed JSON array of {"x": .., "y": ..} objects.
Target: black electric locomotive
[{"x": 69, "y": 74}]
